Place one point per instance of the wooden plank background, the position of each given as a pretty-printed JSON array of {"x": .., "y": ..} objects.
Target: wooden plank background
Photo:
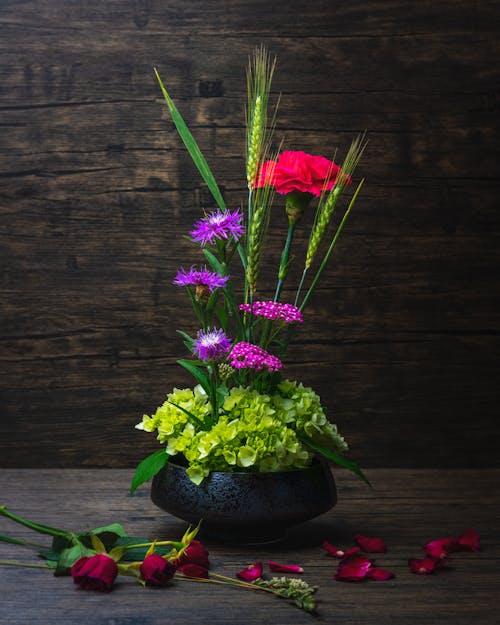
[{"x": 96, "y": 191}]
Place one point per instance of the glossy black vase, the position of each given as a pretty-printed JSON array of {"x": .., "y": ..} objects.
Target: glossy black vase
[{"x": 246, "y": 508}]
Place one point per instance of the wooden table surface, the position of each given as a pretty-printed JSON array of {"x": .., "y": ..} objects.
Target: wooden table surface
[{"x": 406, "y": 508}]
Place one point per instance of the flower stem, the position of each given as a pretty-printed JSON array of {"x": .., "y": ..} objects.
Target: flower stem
[
  {"x": 37, "y": 527},
  {"x": 283, "y": 270},
  {"x": 32, "y": 566}
]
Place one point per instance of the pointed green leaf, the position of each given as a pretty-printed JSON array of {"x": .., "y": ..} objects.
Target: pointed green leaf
[
  {"x": 201, "y": 377},
  {"x": 192, "y": 146},
  {"x": 69, "y": 556},
  {"x": 216, "y": 265},
  {"x": 348, "y": 464},
  {"x": 188, "y": 341},
  {"x": 148, "y": 468}
]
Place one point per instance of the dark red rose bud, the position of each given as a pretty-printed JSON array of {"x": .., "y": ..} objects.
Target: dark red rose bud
[
  {"x": 194, "y": 554},
  {"x": 194, "y": 570},
  {"x": 157, "y": 571},
  {"x": 95, "y": 572}
]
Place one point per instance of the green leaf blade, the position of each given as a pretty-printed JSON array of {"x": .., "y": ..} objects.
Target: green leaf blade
[
  {"x": 148, "y": 468},
  {"x": 192, "y": 146}
]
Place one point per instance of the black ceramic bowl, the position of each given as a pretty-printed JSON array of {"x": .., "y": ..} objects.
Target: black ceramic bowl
[{"x": 246, "y": 507}]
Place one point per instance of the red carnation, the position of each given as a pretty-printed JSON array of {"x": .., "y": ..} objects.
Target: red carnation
[
  {"x": 298, "y": 171},
  {"x": 157, "y": 571},
  {"x": 96, "y": 572}
]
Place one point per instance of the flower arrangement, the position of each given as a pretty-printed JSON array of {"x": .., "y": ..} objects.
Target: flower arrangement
[{"x": 243, "y": 414}]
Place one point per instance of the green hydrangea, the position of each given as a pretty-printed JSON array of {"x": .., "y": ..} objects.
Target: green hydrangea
[{"x": 255, "y": 432}]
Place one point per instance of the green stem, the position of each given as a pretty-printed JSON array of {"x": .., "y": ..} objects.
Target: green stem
[
  {"x": 24, "y": 543},
  {"x": 283, "y": 270},
  {"x": 301, "y": 284},
  {"x": 32, "y": 566},
  {"x": 330, "y": 249},
  {"x": 159, "y": 543},
  {"x": 37, "y": 527}
]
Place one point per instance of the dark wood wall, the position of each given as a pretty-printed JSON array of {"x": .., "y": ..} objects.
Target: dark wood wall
[{"x": 96, "y": 192}]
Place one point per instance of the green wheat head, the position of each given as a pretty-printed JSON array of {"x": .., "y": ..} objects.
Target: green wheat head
[
  {"x": 259, "y": 77},
  {"x": 326, "y": 207}
]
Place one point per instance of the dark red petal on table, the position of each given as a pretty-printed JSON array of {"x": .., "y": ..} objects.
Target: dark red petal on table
[
  {"x": 424, "y": 566},
  {"x": 370, "y": 545},
  {"x": 442, "y": 547},
  {"x": 378, "y": 574},
  {"x": 194, "y": 570},
  {"x": 469, "y": 540},
  {"x": 353, "y": 568},
  {"x": 284, "y": 568},
  {"x": 251, "y": 573},
  {"x": 336, "y": 552}
]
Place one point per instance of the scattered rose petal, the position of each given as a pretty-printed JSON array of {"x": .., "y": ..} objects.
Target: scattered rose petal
[
  {"x": 353, "y": 568},
  {"x": 370, "y": 545},
  {"x": 378, "y": 574},
  {"x": 336, "y": 552},
  {"x": 251, "y": 573},
  {"x": 194, "y": 570},
  {"x": 425, "y": 566},
  {"x": 442, "y": 547},
  {"x": 284, "y": 568},
  {"x": 469, "y": 540}
]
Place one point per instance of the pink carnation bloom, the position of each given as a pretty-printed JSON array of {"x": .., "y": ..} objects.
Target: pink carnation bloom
[
  {"x": 249, "y": 356},
  {"x": 298, "y": 171},
  {"x": 274, "y": 310},
  {"x": 218, "y": 225}
]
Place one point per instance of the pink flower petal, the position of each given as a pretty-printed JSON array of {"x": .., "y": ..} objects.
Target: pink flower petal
[
  {"x": 337, "y": 552},
  {"x": 469, "y": 540},
  {"x": 353, "y": 568},
  {"x": 251, "y": 573},
  {"x": 284, "y": 568},
  {"x": 378, "y": 574},
  {"x": 442, "y": 547},
  {"x": 370, "y": 545},
  {"x": 424, "y": 566}
]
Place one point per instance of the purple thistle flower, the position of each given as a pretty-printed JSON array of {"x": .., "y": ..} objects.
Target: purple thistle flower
[
  {"x": 211, "y": 344},
  {"x": 274, "y": 310},
  {"x": 249, "y": 356},
  {"x": 218, "y": 225},
  {"x": 200, "y": 278}
]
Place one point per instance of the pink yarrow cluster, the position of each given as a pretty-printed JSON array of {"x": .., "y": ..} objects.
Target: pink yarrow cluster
[
  {"x": 249, "y": 356},
  {"x": 274, "y": 310}
]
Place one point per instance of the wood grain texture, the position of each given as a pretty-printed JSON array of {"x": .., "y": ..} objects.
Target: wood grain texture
[
  {"x": 96, "y": 191},
  {"x": 406, "y": 508}
]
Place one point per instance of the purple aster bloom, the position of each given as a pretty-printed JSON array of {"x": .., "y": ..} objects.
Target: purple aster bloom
[
  {"x": 249, "y": 356},
  {"x": 211, "y": 344},
  {"x": 218, "y": 225},
  {"x": 274, "y": 310},
  {"x": 200, "y": 278}
]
